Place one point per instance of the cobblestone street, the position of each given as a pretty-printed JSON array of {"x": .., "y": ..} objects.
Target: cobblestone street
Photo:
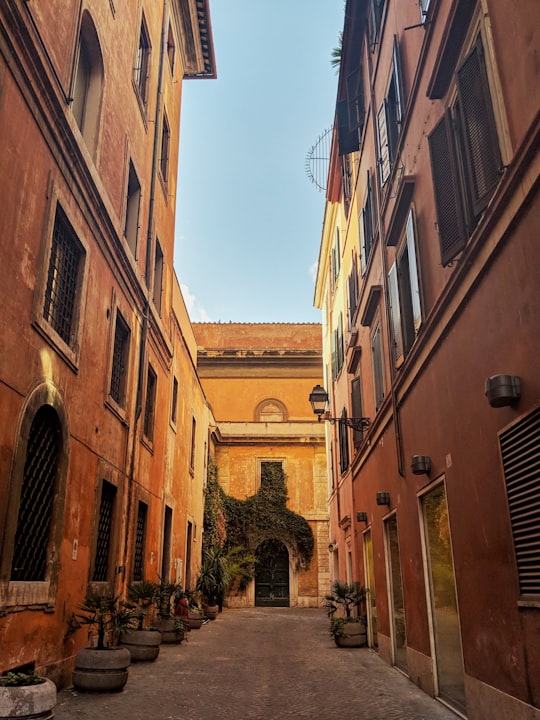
[{"x": 259, "y": 663}]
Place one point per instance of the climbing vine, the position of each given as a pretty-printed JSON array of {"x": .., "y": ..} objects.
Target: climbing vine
[{"x": 264, "y": 516}]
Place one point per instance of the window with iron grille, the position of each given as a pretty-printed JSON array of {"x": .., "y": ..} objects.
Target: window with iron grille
[
  {"x": 520, "y": 451},
  {"x": 193, "y": 444},
  {"x": 150, "y": 406},
  {"x": 34, "y": 519},
  {"x": 104, "y": 532},
  {"x": 120, "y": 362},
  {"x": 465, "y": 156},
  {"x": 133, "y": 201},
  {"x": 174, "y": 404},
  {"x": 140, "y": 537},
  {"x": 63, "y": 279},
  {"x": 143, "y": 63},
  {"x": 165, "y": 142}
]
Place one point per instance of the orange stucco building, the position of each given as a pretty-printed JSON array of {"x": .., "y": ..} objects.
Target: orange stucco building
[
  {"x": 257, "y": 379},
  {"x": 104, "y": 424}
]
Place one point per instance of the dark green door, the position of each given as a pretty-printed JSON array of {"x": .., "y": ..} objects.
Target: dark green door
[{"x": 272, "y": 577}]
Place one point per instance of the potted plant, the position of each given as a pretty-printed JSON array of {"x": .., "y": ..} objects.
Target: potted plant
[
  {"x": 219, "y": 569},
  {"x": 103, "y": 666},
  {"x": 26, "y": 695},
  {"x": 171, "y": 625},
  {"x": 141, "y": 639},
  {"x": 347, "y": 629}
]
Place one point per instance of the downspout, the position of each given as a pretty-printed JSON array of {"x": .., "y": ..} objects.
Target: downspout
[
  {"x": 382, "y": 246},
  {"x": 146, "y": 309}
]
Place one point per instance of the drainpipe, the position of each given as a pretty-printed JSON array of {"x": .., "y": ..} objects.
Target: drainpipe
[
  {"x": 146, "y": 309},
  {"x": 382, "y": 246}
]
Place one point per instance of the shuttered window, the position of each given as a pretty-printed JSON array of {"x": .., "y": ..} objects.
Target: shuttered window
[
  {"x": 520, "y": 451},
  {"x": 356, "y": 406},
  {"x": 465, "y": 156},
  {"x": 404, "y": 295},
  {"x": 366, "y": 226},
  {"x": 377, "y": 360},
  {"x": 352, "y": 287},
  {"x": 343, "y": 432},
  {"x": 351, "y": 113},
  {"x": 390, "y": 118}
]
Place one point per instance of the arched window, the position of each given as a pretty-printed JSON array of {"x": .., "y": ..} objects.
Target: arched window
[
  {"x": 34, "y": 519},
  {"x": 271, "y": 410},
  {"x": 88, "y": 83}
]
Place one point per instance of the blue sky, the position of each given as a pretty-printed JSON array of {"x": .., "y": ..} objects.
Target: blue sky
[{"x": 249, "y": 220}]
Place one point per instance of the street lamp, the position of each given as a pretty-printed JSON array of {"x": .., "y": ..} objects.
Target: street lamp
[{"x": 319, "y": 402}]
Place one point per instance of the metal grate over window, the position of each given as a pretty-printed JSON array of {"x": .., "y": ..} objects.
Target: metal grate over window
[
  {"x": 62, "y": 278},
  {"x": 139, "y": 542},
  {"x": 106, "y": 510},
  {"x": 119, "y": 362},
  {"x": 37, "y": 495},
  {"x": 520, "y": 450},
  {"x": 149, "y": 409}
]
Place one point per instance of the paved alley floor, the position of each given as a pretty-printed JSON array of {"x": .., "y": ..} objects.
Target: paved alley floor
[{"x": 259, "y": 664}]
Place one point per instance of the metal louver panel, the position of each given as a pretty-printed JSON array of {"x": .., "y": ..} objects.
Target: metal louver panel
[{"x": 520, "y": 451}]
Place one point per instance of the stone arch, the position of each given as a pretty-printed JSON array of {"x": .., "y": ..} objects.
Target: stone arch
[
  {"x": 271, "y": 410},
  {"x": 46, "y": 403}
]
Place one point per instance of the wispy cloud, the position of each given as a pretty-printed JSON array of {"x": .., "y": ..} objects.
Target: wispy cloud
[{"x": 196, "y": 312}]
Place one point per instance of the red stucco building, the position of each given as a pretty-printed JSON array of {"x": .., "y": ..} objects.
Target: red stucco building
[{"x": 428, "y": 284}]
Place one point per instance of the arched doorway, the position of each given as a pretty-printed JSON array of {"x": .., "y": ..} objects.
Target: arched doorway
[{"x": 272, "y": 575}]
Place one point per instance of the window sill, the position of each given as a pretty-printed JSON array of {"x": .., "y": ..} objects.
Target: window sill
[
  {"x": 143, "y": 107},
  {"x": 18, "y": 594},
  {"x": 116, "y": 410},
  {"x": 68, "y": 354},
  {"x": 148, "y": 444}
]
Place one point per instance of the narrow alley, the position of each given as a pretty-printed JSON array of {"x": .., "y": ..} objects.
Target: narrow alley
[{"x": 259, "y": 663}]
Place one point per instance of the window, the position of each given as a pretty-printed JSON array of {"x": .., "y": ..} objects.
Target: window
[
  {"x": 171, "y": 48},
  {"x": 133, "y": 201},
  {"x": 88, "y": 82},
  {"x": 366, "y": 226},
  {"x": 140, "y": 537},
  {"x": 390, "y": 118},
  {"x": 34, "y": 520},
  {"x": 465, "y": 156},
  {"x": 374, "y": 13},
  {"x": 270, "y": 410},
  {"x": 338, "y": 354},
  {"x": 377, "y": 362},
  {"x": 335, "y": 259},
  {"x": 350, "y": 113},
  {"x": 142, "y": 66},
  {"x": 158, "y": 277},
  {"x": 270, "y": 469},
  {"x": 352, "y": 287},
  {"x": 102, "y": 560},
  {"x": 174, "y": 403},
  {"x": 193, "y": 445},
  {"x": 357, "y": 410},
  {"x": 343, "y": 437},
  {"x": 520, "y": 451},
  {"x": 424, "y": 6},
  {"x": 150, "y": 406},
  {"x": 62, "y": 290},
  {"x": 347, "y": 181},
  {"x": 404, "y": 295},
  {"x": 165, "y": 142},
  {"x": 120, "y": 361}
]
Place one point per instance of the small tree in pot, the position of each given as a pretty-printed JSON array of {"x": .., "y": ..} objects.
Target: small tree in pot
[
  {"x": 343, "y": 606},
  {"x": 141, "y": 639},
  {"x": 102, "y": 666}
]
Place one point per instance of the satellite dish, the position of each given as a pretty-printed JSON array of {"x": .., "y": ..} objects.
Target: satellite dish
[{"x": 318, "y": 158}]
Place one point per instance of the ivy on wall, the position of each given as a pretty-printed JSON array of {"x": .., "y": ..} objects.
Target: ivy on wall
[{"x": 264, "y": 516}]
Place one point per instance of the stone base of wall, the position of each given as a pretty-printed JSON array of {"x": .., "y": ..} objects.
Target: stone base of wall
[
  {"x": 484, "y": 702},
  {"x": 420, "y": 670}
]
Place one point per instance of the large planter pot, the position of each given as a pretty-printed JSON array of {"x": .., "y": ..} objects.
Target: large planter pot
[
  {"x": 101, "y": 670},
  {"x": 195, "y": 618},
  {"x": 28, "y": 701},
  {"x": 211, "y": 611},
  {"x": 355, "y": 636},
  {"x": 143, "y": 645},
  {"x": 170, "y": 632}
]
